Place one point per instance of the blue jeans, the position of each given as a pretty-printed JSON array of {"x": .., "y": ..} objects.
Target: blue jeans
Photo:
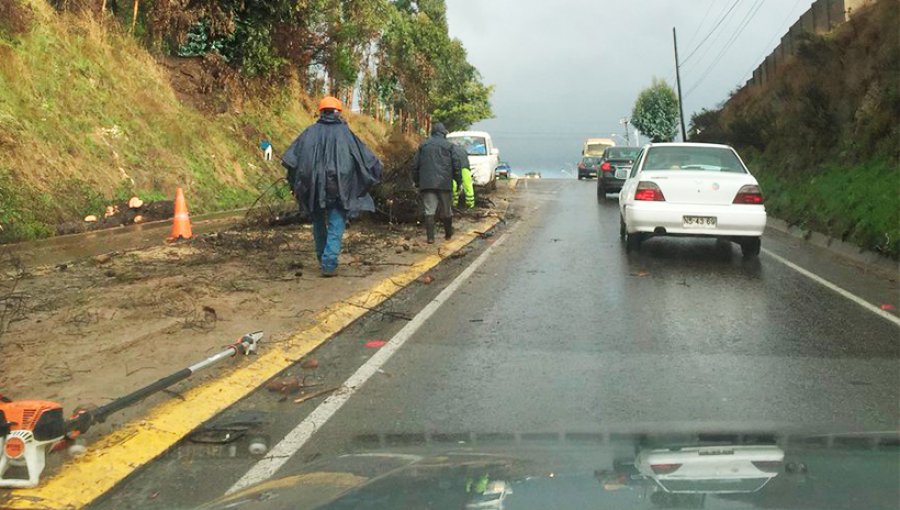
[{"x": 328, "y": 231}]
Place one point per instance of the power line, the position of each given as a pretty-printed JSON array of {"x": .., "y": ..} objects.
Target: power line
[
  {"x": 702, "y": 21},
  {"x": 741, "y": 27},
  {"x": 674, "y": 74},
  {"x": 715, "y": 42},
  {"x": 714, "y": 28}
]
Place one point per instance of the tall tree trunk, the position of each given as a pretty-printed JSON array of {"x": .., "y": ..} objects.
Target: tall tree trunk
[
  {"x": 103, "y": 7},
  {"x": 134, "y": 15}
]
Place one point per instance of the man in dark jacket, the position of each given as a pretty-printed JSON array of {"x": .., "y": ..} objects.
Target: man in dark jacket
[
  {"x": 435, "y": 167},
  {"x": 331, "y": 171}
]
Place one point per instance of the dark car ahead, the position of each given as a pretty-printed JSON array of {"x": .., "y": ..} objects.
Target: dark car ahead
[
  {"x": 588, "y": 167},
  {"x": 503, "y": 170},
  {"x": 612, "y": 159}
]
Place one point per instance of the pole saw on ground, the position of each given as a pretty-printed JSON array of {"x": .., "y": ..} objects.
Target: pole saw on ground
[{"x": 29, "y": 429}]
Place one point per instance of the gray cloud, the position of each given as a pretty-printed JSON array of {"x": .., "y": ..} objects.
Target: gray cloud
[{"x": 568, "y": 69}]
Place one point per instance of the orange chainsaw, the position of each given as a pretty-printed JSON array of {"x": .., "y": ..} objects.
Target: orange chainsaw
[{"x": 31, "y": 428}]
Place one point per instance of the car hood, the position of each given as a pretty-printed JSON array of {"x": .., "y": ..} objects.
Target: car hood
[{"x": 582, "y": 470}]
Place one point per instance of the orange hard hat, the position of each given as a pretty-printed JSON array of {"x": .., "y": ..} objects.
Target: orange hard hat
[{"x": 330, "y": 103}]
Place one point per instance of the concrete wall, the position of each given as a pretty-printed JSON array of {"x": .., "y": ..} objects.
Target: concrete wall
[
  {"x": 822, "y": 17},
  {"x": 851, "y": 6}
]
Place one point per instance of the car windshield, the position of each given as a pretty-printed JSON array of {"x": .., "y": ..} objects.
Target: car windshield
[
  {"x": 622, "y": 153},
  {"x": 474, "y": 145},
  {"x": 272, "y": 255},
  {"x": 713, "y": 159}
]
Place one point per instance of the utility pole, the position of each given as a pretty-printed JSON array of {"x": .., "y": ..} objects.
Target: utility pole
[
  {"x": 624, "y": 121},
  {"x": 678, "y": 81}
]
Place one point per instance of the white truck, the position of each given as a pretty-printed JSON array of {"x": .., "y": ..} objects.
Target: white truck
[
  {"x": 483, "y": 156},
  {"x": 594, "y": 147}
]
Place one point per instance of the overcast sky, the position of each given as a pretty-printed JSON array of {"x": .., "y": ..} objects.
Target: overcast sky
[{"x": 564, "y": 70}]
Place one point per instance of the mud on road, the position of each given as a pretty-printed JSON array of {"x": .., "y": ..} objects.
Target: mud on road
[{"x": 90, "y": 330}]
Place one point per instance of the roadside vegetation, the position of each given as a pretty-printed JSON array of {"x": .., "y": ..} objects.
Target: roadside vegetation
[
  {"x": 822, "y": 137},
  {"x": 97, "y": 105}
]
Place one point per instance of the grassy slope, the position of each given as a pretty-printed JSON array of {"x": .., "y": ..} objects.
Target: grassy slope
[
  {"x": 858, "y": 203},
  {"x": 823, "y": 136},
  {"x": 87, "y": 115}
]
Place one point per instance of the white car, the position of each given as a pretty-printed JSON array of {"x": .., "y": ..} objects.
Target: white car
[
  {"x": 691, "y": 189},
  {"x": 712, "y": 469},
  {"x": 484, "y": 158}
]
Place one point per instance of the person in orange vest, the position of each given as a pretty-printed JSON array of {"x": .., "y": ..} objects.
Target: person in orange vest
[{"x": 331, "y": 172}]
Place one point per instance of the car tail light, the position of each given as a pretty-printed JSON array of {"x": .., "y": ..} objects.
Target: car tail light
[
  {"x": 649, "y": 192},
  {"x": 606, "y": 167},
  {"x": 581, "y": 166},
  {"x": 664, "y": 469},
  {"x": 749, "y": 194},
  {"x": 768, "y": 466}
]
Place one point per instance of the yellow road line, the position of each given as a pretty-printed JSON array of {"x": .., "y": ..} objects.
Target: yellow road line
[{"x": 115, "y": 456}]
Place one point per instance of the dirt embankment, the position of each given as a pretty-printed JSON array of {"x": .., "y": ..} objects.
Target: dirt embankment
[
  {"x": 90, "y": 118},
  {"x": 823, "y": 130}
]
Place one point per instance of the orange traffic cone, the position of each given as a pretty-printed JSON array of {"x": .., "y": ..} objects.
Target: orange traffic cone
[{"x": 181, "y": 223}]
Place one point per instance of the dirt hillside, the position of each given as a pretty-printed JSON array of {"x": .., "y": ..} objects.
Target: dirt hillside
[{"x": 89, "y": 118}]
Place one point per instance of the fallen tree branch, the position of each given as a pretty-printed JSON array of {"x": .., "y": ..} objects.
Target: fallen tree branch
[
  {"x": 395, "y": 315},
  {"x": 12, "y": 302},
  {"x": 315, "y": 394}
]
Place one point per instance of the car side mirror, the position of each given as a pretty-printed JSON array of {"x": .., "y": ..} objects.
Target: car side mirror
[{"x": 495, "y": 152}]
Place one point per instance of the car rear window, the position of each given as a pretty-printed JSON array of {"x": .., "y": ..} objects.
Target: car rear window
[
  {"x": 712, "y": 159},
  {"x": 590, "y": 161},
  {"x": 623, "y": 153}
]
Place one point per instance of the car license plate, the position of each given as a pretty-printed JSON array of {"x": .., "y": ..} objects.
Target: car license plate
[
  {"x": 699, "y": 222},
  {"x": 716, "y": 451}
]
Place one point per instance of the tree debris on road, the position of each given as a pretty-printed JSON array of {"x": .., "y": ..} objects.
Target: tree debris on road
[
  {"x": 124, "y": 305},
  {"x": 315, "y": 394},
  {"x": 310, "y": 364}
]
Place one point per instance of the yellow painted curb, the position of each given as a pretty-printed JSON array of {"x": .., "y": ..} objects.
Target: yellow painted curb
[{"x": 115, "y": 456}]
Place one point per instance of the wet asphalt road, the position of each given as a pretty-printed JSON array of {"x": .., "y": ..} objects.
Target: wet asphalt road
[{"x": 562, "y": 331}]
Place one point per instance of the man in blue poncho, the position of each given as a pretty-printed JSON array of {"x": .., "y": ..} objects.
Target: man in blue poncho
[{"x": 331, "y": 172}]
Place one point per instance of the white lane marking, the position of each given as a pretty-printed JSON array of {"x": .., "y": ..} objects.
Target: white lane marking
[
  {"x": 295, "y": 439},
  {"x": 818, "y": 279}
]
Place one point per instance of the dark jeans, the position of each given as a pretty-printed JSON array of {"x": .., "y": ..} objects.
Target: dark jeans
[{"x": 328, "y": 231}]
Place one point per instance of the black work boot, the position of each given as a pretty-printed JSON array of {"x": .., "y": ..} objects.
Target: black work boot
[
  {"x": 448, "y": 228},
  {"x": 429, "y": 229}
]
